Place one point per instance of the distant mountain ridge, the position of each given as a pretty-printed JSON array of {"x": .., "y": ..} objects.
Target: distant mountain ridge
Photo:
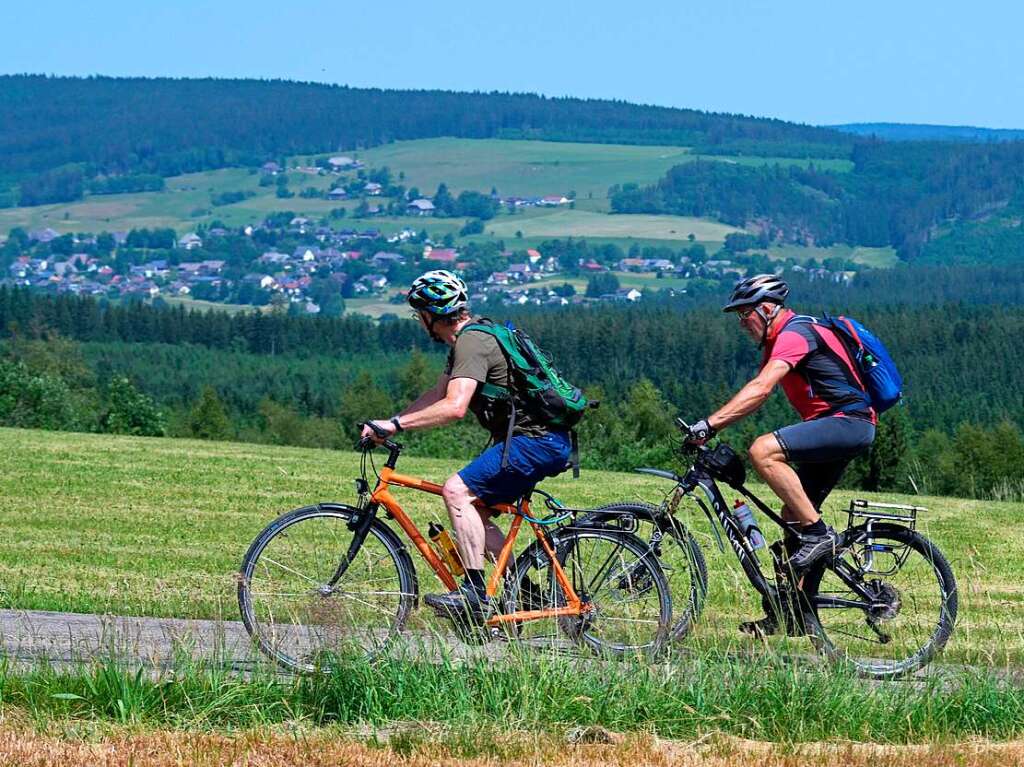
[{"x": 923, "y": 132}]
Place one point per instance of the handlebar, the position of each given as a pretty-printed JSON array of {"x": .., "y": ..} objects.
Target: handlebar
[
  {"x": 688, "y": 447},
  {"x": 366, "y": 444}
]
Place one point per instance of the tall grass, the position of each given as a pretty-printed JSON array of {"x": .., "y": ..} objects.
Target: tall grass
[{"x": 685, "y": 699}]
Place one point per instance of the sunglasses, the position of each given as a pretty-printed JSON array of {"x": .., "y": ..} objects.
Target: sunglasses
[{"x": 744, "y": 314}]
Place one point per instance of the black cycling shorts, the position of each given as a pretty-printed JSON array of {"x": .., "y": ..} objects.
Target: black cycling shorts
[{"x": 822, "y": 449}]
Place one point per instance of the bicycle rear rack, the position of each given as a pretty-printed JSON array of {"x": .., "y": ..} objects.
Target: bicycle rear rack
[{"x": 890, "y": 512}]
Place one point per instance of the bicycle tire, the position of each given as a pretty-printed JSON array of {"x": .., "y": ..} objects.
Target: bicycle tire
[
  {"x": 635, "y": 565},
  {"x": 317, "y": 625},
  {"x": 688, "y": 589},
  {"x": 829, "y": 629}
]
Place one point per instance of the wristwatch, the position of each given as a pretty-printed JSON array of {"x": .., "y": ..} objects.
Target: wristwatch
[{"x": 397, "y": 424}]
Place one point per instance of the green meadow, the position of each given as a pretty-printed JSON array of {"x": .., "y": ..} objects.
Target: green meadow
[
  {"x": 158, "y": 527},
  {"x": 523, "y": 168}
]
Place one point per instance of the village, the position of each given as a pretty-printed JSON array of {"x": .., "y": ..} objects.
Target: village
[{"x": 327, "y": 262}]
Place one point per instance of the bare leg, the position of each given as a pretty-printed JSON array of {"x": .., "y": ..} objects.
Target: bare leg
[
  {"x": 494, "y": 537},
  {"x": 469, "y": 527},
  {"x": 770, "y": 463}
]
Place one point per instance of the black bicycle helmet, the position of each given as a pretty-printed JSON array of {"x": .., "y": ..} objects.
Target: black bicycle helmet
[{"x": 755, "y": 290}]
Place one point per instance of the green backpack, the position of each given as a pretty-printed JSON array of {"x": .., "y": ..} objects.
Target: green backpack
[{"x": 536, "y": 385}]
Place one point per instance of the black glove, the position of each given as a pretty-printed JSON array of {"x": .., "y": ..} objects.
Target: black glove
[{"x": 700, "y": 432}]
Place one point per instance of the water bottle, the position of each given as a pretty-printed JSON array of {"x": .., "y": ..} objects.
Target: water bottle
[
  {"x": 446, "y": 547},
  {"x": 745, "y": 517}
]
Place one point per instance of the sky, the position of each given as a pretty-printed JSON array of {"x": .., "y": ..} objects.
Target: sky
[{"x": 822, "y": 62}]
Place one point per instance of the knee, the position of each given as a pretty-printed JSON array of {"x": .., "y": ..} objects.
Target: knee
[
  {"x": 454, "y": 491},
  {"x": 764, "y": 450}
]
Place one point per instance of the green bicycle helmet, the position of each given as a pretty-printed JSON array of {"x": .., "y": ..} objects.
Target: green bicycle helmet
[{"x": 439, "y": 292}]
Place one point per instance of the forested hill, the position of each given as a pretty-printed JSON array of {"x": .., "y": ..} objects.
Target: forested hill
[
  {"x": 918, "y": 132},
  {"x": 170, "y": 126}
]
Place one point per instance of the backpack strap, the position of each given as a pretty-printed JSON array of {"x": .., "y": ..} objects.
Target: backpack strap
[
  {"x": 849, "y": 372},
  {"x": 493, "y": 391}
]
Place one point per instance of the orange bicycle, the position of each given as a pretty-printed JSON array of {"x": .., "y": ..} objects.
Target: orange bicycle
[{"x": 332, "y": 576}]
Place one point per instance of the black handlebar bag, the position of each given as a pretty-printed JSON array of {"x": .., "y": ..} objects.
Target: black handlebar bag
[{"x": 726, "y": 466}]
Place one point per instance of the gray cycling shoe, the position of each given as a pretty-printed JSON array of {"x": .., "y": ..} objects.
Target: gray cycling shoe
[
  {"x": 464, "y": 602},
  {"x": 814, "y": 547}
]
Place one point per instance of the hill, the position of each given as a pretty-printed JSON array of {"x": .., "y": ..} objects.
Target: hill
[
  {"x": 165, "y": 126},
  {"x": 919, "y": 132}
]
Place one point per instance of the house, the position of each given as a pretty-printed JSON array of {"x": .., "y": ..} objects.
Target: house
[
  {"x": 299, "y": 221},
  {"x": 373, "y": 188},
  {"x": 592, "y": 266},
  {"x": 273, "y": 257},
  {"x": 631, "y": 264},
  {"x": 306, "y": 253},
  {"x": 271, "y": 167},
  {"x": 420, "y": 207},
  {"x": 337, "y": 194},
  {"x": 623, "y": 294},
  {"x": 498, "y": 278},
  {"x": 190, "y": 241},
  {"x": 211, "y": 266},
  {"x": 261, "y": 280},
  {"x": 659, "y": 265},
  {"x": 341, "y": 162},
  {"x": 551, "y": 200},
  {"x": 444, "y": 255},
  {"x": 519, "y": 271},
  {"x": 120, "y": 238},
  {"x": 383, "y": 260},
  {"x": 43, "y": 235},
  {"x": 533, "y": 255}
]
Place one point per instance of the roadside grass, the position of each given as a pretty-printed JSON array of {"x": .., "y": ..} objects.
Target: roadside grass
[
  {"x": 158, "y": 527},
  {"x": 688, "y": 700}
]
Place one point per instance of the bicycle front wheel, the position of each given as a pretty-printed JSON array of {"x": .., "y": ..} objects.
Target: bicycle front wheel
[
  {"x": 679, "y": 554},
  {"x": 303, "y": 605},
  {"x": 886, "y": 605}
]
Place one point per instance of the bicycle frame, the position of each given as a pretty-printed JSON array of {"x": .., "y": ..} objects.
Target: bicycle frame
[
  {"x": 381, "y": 496},
  {"x": 699, "y": 477}
]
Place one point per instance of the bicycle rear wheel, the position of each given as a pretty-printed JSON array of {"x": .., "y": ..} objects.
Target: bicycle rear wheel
[
  {"x": 297, "y": 607},
  {"x": 887, "y": 605},
  {"x": 629, "y": 606}
]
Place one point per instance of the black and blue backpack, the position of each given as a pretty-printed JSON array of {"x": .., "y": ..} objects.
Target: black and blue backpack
[{"x": 875, "y": 367}]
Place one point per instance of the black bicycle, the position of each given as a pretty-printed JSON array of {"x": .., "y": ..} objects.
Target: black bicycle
[{"x": 885, "y": 602}]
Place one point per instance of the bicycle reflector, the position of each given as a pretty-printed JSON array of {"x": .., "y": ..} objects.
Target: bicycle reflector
[{"x": 724, "y": 464}]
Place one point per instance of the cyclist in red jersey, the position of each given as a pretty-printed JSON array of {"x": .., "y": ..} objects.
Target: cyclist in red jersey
[{"x": 822, "y": 384}]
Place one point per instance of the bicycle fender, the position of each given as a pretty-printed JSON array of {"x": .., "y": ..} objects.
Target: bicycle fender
[
  {"x": 385, "y": 532},
  {"x": 711, "y": 519}
]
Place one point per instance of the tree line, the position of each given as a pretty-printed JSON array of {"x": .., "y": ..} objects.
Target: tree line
[
  {"x": 306, "y": 381},
  {"x": 896, "y": 194},
  {"x": 164, "y": 126}
]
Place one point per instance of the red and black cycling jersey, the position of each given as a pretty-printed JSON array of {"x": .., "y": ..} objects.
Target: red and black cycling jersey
[{"x": 822, "y": 380}]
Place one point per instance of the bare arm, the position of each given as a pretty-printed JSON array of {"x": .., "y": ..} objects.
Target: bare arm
[
  {"x": 451, "y": 407},
  {"x": 751, "y": 396}
]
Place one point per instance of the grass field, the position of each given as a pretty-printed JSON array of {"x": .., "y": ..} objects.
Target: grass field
[
  {"x": 158, "y": 527},
  {"x": 514, "y": 167},
  {"x": 581, "y": 223}
]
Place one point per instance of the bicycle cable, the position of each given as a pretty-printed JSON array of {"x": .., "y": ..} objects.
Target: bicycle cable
[{"x": 550, "y": 520}]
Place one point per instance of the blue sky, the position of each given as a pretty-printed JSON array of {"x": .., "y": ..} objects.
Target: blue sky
[{"x": 819, "y": 62}]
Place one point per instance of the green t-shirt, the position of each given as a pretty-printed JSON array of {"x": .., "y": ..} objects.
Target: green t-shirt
[{"x": 478, "y": 355}]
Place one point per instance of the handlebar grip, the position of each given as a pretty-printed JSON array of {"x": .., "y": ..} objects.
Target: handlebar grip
[
  {"x": 375, "y": 429},
  {"x": 683, "y": 425}
]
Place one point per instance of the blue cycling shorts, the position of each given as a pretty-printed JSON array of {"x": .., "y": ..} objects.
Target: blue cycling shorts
[{"x": 530, "y": 459}]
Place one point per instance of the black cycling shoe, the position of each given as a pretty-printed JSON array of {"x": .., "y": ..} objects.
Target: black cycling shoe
[
  {"x": 814, "y": 547},
  {"x": 765, "y": 627},
  {"x": 464, "y": 602}
]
